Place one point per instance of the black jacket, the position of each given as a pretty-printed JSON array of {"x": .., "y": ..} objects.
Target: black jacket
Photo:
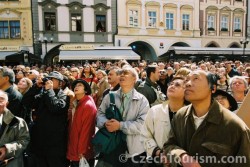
[
  {"x": 49, "y": 133},
  {"x": 15, "y": 98}
]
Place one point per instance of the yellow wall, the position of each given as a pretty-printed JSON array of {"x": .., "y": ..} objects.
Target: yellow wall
[{"x": 18, "y": 10}]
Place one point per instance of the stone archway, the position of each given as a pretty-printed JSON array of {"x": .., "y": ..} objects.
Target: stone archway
[{"x": 145, "y": 50}]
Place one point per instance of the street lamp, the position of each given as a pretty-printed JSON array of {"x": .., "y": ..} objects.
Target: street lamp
[
  {"x": 244, "y": 42},
  {"x": 45, "y": 41}
]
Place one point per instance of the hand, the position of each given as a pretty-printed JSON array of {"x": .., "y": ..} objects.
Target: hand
[
  {"x": 48, "y": 85},
  {"x": 189, "y": 161},
  {"x": 3, "y": 151},
  {"x": 112, "y": 125}
]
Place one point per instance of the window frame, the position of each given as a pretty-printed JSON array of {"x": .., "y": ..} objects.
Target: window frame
[
  {"x": 153, "y": 18},
  {"x": 133, "y": 17},
  {"x": 105, "y": 24},
  {"x": 211, "y": 21},
  {"x": 169, "y": 21},
  {"x": 77, "y": 15},
  {"x": 224, "y": 22},
  {"x": 237, "y": 25},
  {"x": 44, "y": 17},
  {"x": 9, "y": 29},
  {"x": 185, "y": 22}
]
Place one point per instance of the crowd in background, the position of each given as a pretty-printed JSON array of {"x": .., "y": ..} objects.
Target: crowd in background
[{"x": 58, "y": 110}]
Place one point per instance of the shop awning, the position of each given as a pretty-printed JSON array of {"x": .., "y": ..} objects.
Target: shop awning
[
  {"x": 4, "y": 54},
  {"x": 18, "y": 57},
  {"x": 100, "y": 53}
]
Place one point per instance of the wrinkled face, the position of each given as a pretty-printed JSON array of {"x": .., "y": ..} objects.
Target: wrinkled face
[
  {"x": 223, "y": 101},
  {"x": 113, "y": 77},
  {"x": 176, "y": 89},
  {"x": 238, "y": 85},
  {"x": 22, "y": 84},
  {"x": 197, "y": 87},
  {"x": 79, "y": 89},
  {"x": 127, "y": 78},
  {"x": 3, "y": 104}
]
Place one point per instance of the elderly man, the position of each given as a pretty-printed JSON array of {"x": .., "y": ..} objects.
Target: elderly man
[
  {"x": 133, "y": 107},
  {"x": 7, "y": 79},
  {"x": 205, "y": 133},
  {"x": 14, "y": 134}
]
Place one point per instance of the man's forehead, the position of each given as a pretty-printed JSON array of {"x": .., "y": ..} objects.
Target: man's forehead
[{"x": 197, "y": 73}]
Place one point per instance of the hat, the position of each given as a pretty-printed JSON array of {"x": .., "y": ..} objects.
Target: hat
[
  {"x": 9, "y": 73},
  {"x": 86, "y": 85},
  {"x": 56, "y": 75},
  {"x": 232, "y": 102},
  {"x": 34, "y": 72}
]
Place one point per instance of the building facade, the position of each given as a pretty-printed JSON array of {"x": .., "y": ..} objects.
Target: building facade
[
  {"x": 151, "y": 27},
  {"x": 15, "y": 27},
  {"x": 223, "y": 23},
  {"x": 73, "y": 22}
]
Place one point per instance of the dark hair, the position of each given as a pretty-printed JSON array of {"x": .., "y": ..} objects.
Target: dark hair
[
  {"x": 212, "y": 80},
  {"x": 150, "y": 68}
]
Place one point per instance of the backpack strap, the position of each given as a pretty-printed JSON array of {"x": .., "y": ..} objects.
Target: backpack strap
[{"x": 112, "y": 98}]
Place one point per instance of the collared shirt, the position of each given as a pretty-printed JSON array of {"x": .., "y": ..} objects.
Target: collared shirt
[
  {"x": 198, "y": 120},
  {"x": 125, "y": 100}
]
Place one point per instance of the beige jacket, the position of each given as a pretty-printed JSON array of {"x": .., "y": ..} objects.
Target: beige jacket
[{"x": 156, "y": 127}]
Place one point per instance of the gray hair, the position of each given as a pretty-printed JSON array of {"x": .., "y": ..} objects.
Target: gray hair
[
  {"x": 3, "y": 95},
  {"x": 132, "y": 70},
  {"x": 240, "y": 78}
]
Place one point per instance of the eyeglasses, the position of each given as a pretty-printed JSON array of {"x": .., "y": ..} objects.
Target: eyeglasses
[{"x": 176, "y": 84}]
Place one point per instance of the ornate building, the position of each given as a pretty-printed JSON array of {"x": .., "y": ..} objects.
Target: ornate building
[
  {"x": 58, "y": 22},
  {"x": 15, "y": 28},
  {"x": 152, "y": 27}
]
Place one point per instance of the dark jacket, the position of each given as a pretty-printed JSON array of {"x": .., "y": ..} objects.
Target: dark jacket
[
  {"x": 49, "y": 132},
  {"x": 15, "y": 98},
  {"x": 222, "y": 133},
  {"x": 15, "y": 137},
  {"x": 146, "y": 89}
]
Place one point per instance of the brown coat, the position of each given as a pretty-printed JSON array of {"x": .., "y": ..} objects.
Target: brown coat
[{"x": 222, "y": 133}]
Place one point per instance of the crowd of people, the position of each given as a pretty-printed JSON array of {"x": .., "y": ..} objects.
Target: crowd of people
[{"x": 49, "y": 115}]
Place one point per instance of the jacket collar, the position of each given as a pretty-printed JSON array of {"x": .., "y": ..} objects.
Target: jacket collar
[
  {"x": 214, "y": 115},
  {"x": 135, "y": 95},
  {"x": 7, "y": 116},
  {"x": 150, "y": 83}
]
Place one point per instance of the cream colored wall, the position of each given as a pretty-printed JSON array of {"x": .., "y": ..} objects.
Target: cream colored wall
[{"x": 223, "y": 39}]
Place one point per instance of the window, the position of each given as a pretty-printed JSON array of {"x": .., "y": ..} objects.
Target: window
[
  {"x": 152, "y": 19},
  {"x": 185, "y": 22},
  {"x": 133, "y": 18},
  {"x": 210, "y": 22},
  {"x": 169, "y": 21},
  {"x": 76, "y": 22},
  {"x": 50, "y": 21},
  {"x": 100, "y": 23},
  {"x": 224, "y": 23},
  {"x": 10, "y": 29},
  {"x": 237, "y": 24}
]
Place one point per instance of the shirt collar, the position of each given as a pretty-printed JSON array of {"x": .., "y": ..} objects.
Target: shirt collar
[{"x": 1, "y": 119}]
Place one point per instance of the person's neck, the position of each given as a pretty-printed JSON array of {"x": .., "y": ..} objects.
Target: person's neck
[
  {"x": 152, "y": 80},
  {"x": 80, "y": 96},
  {"x": 113, "y": 84},
  {"x": 126, "y": 89},
  {"x": 201, "y": 107},
  {"x": 5, "y": 86},
  {"x": 22, "y": 91},
  {"x": 87, "y": 75},
  {"x": 175, "y": 105},
  {"x": 239, "y": 97}
]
